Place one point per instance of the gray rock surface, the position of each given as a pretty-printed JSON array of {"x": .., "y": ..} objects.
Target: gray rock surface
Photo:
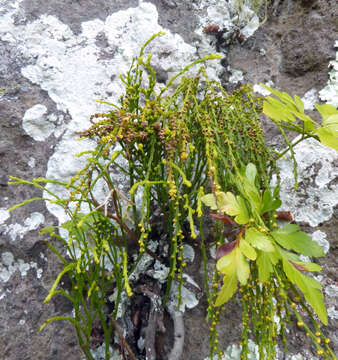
[{"x": 293, "y": 49}]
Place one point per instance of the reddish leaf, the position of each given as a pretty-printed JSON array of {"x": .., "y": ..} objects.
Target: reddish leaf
[
  {"x": 298, "y": 266},
  {"x": 231, "y": 233},
  {"x": 224, "y": 218},
  {"x": 284, "y": 215},
  {"x": 225, "y": 249}
]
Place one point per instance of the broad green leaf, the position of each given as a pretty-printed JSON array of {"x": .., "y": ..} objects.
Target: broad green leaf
[
  {"x": 286, "y": 109},
  {"x": 234, "y": 206},
  {"x": 229, "y": 204},
  {"x": 259, "y": 240},
  {"x": 269, "y": 204},
  {"x": 326, "y": 110},
  {"x": 251, "y": 172},
  {"x": 309, "y": 287},
  {"x": 285, "y": 97},
  {"x": 264, "y": 266},
  {"x": 309, "y": 124},
  {"x": 306, "y": 266},
  {"x": 277, "y": 111},
  {"x": 291, "y": 239},
  {"x": 228, "y": 289},
  {"x": 242, "y": 267},
  {"x": 276, "y": 191},
  {"x": 226, "y": 263},
  {"x": 290, "y": 228},
  {"x": 274, "y": 257},
  {"x": 252, "y": 195},
  {"x": 327, "y": 137},
  {"x": 288, "y": 255},
  {"x": 331, "y": 123},
  {"x": 243, "y": 216},
  {"x": 299, "y": 103},
  {"x": 295, "y": 260},
  {"x": 247, "y": 249},
  {"x": 209, "y": 200}
]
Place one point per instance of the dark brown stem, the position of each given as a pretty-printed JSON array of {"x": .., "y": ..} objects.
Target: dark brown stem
[
  {"x": 123, "y": 342},
  {"x": 155, "y": 320}
]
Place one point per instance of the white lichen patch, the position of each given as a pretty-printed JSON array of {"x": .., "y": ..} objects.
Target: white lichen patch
[
  {"x": 31, "y": 162},
  {"x": 37, "y": 124},
  {"x": 332, "y": 313},
  {"x": 31, "y": 223},
  {"x": 4, "y": 215},
  {"x": 310, "y": 98},
  {"x": 188, "y": 297},
  {"x": 233, "y": 352},
  {"x": 317, "y": 194},
  {"x": 228, "y": 15},
  {"x": 331, "y": 290},
  {"x": 159, "y": 272},
  {"x": 330, "y": 93},
  {"x": 320, "y": 238},
  {"x": 236, "y": 76},
  {"x": 8, "y": 266},
  {"x": 301, "y": 357},
  {"x": 258, "y": 88},
  {"x": 188, "y": 253},
  {"x": 100, "y": 353}
]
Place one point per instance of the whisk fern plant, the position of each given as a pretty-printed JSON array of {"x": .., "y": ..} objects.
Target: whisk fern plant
[{"x": 188, "y": 149}]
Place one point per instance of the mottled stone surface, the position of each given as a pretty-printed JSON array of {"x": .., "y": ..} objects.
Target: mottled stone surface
[{"x": 292, "y": 48}]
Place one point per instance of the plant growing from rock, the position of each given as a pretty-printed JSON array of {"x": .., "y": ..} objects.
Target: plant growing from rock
[{"x": 185, "y": 149}]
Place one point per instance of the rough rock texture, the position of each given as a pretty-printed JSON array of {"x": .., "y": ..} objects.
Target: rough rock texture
[{"x": 292, "y": 49}]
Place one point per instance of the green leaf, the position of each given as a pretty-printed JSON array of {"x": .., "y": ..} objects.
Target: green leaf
[
  {"x": 309, "y": 124},
  {"x": 299, "y": 104},
  {"x": 264, "y": 266},
  {"x": 326, "y": 110},
  {"x": 234, "y": 263},
  {"x": 309, "y": 287},
  {"x": 269, "y": 204},
  {"x": 286, "y": 109},
  {"x": 259, "y": 240},
  {"x": 232, "y": 205},
  {"x": 277, "y": 111},
  {"x": 306, "y": 266},
  {"x": 226, "y": 263},
  {"x": 251, "y": 172},
  {"x": 285, "y": 97},
  {"x": 291, "y": 239},
  {"x": 247, "y": 249},
  {"x": 228, "y": 289},
  {"x": 331, "y": 123},
  {"x": 243, "y": 216},
  {"x": 209, "y": 200},
  {"x": 327, "y": 137},
  {"x": 242, "y": 267},
  {"x": 276, "y": 191},
  {"x": 228, "y": 203}
]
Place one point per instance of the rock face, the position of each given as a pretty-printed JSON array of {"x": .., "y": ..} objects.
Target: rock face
[{"x": 57, "y": 57}]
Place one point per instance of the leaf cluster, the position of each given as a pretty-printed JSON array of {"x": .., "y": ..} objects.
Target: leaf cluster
[{"x": 186, "y": 145}]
